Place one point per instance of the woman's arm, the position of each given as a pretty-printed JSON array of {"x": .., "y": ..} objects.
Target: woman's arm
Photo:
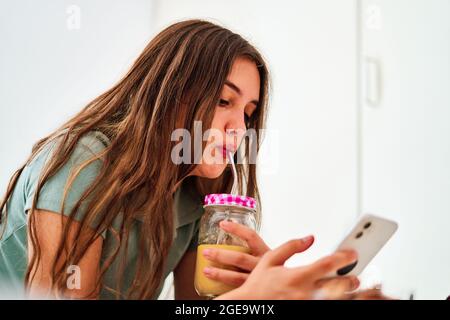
[
  {"x": 184, "y": 278},
  {"x": 49, "y": 227}
]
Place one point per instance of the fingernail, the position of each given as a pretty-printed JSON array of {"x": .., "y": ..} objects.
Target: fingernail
[
  {"x": 377, "y": 286},
  {"x": 355, "y": 282},
  {"x": 207, "y": 252},
  {"x": 224, "y": 224},
  {"x": 307, "y": 239},
  {"x": 207, "y": 271},
  {"x": 353, "y": 254}
]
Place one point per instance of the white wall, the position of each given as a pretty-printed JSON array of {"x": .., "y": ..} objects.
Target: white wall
[{"x": 406, "y": 141}]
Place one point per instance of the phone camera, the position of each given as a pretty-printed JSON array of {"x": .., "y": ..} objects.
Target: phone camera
[
  {"x": 359, "y": 235},
  {"x": 367, "y": 225}
]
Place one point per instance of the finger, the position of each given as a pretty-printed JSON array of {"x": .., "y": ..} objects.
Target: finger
[
  {"x": 229, "y": 277},
  {"x": 370, "y": 294},
  {"x": 329, "y": 264},
  {"x": 279, "y": 255},
  {"x": 342, "y": 284},
  {"x": 231, "y": 258},
  {"x": 256, "y": 244},
  {"x": 337, "y": 288}
]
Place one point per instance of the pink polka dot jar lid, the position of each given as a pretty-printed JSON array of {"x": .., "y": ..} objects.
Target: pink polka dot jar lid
[{"x": 226, "y": 199}]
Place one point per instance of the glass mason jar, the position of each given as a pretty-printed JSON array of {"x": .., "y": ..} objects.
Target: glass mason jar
[{"x": 218, "y": 207}]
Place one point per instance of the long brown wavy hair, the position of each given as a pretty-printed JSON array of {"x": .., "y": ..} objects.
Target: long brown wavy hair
[{"x": 176, "y": 80}]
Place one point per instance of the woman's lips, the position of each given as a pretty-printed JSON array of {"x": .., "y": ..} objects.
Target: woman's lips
[
  {"x": 227, "y": 149},
  {"x": 224, "y": 152}
]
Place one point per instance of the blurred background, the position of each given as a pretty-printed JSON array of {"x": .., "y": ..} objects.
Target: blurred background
[{"x": 359, "y": 119}]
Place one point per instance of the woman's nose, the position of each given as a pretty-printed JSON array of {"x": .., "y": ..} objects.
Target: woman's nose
[
  {"x": 236, "y": 122},
  {"x": 235, "y": 129}
]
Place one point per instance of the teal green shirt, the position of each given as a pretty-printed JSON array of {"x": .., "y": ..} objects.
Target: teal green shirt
[{"x": 13, "y": 245}]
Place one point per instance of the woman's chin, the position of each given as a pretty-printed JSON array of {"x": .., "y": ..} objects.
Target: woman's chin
[{"x": 210, "y": 171}]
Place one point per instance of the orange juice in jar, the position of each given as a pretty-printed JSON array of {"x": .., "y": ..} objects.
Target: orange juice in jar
[{"x": 218, "y": 207}]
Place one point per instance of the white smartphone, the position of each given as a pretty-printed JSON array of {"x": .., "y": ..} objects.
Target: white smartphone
[{"x": 367, "y": 238}]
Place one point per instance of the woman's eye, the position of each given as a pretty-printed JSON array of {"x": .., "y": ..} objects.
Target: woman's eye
[{"x": 223, "y": 102}]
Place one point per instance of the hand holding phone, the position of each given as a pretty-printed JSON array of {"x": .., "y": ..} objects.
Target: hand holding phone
[{"x": 367, "y": 238}]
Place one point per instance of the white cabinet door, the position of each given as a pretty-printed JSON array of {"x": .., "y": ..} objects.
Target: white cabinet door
[{"x": 405, "y": 140}]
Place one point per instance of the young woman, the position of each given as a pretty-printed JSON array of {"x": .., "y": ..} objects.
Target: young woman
[{"x": 102, "y": 198}]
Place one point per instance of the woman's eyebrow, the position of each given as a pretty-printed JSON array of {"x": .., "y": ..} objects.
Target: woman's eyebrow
[{"x": 238, "y": 90}]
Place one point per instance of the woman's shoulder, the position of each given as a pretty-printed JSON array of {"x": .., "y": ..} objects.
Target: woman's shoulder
[
  {"x": 75, "y": 175},
  {"x": 86, "y": 156},
  {"x": 96, "y": 141},
  {"x": 89, "y": 145}
]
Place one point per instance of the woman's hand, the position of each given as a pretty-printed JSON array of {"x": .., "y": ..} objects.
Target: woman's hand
[
  {"x": 271, "y": 280},
  {"x": 374, "y": 293},
  {"x": 245, "y": 262}
]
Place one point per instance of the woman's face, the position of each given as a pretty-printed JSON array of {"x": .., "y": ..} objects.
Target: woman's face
[{"x": 238, "y": 101}]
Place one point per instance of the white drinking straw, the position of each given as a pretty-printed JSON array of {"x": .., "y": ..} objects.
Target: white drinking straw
[{"x": 235, "y": 178}]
